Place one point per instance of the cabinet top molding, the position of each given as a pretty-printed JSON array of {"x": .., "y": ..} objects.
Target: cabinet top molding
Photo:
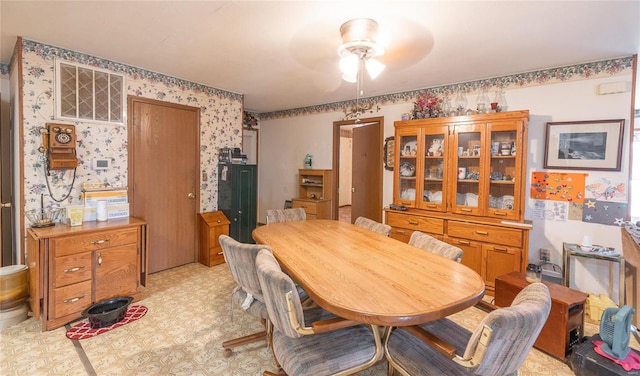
[{"x": 471, "y": 118}]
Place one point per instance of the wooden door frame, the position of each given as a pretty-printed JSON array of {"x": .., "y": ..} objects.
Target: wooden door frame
[
  {"x": 336, "y": 159},
  {"x": 131, "y": 99},
  {"x": 16, "y": 149}
]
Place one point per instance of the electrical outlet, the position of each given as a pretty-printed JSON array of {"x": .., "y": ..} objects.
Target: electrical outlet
[{"x": 545, "y": 255}]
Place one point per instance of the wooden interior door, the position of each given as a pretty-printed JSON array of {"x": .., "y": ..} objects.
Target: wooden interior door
[
  {"x": 163, "y": 178},
  {"x": 366, "y": 170},
  {"x": 366, "y": 177}
]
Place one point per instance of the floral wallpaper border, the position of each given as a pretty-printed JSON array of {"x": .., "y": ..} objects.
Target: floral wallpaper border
[
  {"x": 549, "y": 76},
  {"x": 42, "y": 49}
]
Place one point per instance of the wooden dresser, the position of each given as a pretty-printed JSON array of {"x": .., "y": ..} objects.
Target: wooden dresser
[{"x": 71, "y": 268}]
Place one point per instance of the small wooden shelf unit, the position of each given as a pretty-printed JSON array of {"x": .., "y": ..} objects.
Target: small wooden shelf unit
[{"x": 314, "y": 193}]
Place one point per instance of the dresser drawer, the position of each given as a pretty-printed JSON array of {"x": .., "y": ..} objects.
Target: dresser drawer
[
  {"x": 72, "y": 269},
  {"x": 485, "y": 233},
  {"x": 310, "y": 207},
  {"x": 401, "y": 234},
  {"x": 71, "y": 299},
  {"x": 95, "y": 240},
  {"x": 414, "y": 222}
]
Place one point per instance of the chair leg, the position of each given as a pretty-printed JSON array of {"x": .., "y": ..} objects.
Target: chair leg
[
  {"x": 280, "y": 373},
  {"x": 230, "y": 344}
]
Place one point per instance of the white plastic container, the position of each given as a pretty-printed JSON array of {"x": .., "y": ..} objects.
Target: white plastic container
[{"x": 10, "y": 317}]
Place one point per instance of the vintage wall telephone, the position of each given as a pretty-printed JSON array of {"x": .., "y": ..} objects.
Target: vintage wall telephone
[{"x": 59, "y": 143}]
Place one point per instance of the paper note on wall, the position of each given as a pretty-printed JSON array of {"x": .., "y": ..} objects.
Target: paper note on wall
[
  {"x": 604, "y": 189},
  {"x": 604, "y": 212},
  {"x": 550, "y": 210},
  {"x": 557, "y": 186}
]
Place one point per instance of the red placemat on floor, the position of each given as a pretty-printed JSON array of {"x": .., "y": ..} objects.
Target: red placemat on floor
[{"x": 83, "y": 330}]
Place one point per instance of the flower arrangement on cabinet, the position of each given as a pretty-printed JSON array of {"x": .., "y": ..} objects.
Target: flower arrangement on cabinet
[
  {"x": 426, "y": 106},
  {"x": 248, "y": 120}
]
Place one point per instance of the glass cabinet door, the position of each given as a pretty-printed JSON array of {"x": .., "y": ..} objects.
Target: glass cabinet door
[
  {"x": 505, "y": 169},
  {"x": 433, "y": 188},
  {"x": 406, "y": 151},
  {"x": 467, "y": 194}
]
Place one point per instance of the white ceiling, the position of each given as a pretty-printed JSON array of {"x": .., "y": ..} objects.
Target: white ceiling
[{"x": 282, "y": 54}]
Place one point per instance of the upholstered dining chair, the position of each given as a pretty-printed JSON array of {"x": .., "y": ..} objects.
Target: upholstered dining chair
[
  {"x": 433, "y": 245},
  {"x": 312, "y": 341},
  {"x": 372, "y": 225},
  {"x": 286, "y": 215},
  {"x": 241, "y": 260},
  {"x": 498, "y": 346}
]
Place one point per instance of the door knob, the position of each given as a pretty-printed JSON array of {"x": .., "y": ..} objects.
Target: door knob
[
  {"x": 6, "y": 204},
  {"x": 191, "y": 196}
]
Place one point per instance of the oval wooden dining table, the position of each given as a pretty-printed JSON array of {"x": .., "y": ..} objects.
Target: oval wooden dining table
[{"x": 364, "y": 276}]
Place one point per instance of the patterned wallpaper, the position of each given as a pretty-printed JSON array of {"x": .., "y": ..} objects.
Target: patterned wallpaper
[
  {"x": 549, "y": 76},
  {"x": 220, "y": 125},
  {"x": 221, "y": 116}
]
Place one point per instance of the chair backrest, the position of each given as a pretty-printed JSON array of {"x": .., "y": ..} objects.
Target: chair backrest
[
  {"x": 286, "y": 215},
  {"x": 372, "y": 225},
  {"x": 433, "y": 245},
  {"x": 241, "y": 260},
  {"x": 515, "y": 329},
  {"x": 275, "y": 286}
]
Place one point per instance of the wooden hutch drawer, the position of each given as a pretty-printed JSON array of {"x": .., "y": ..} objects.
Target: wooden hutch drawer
[
  {"x": 485, "y": 233},
  {"x": 315, "y": 209},
  {"x": 72, "y": 269},
  {"x": 310, "y": 207},
  {"x": 71, "y": 299},
  {"x": 401, "y": 234},
  {"x": 95, "y": 240},
  {"x": 414, "y": 222}
]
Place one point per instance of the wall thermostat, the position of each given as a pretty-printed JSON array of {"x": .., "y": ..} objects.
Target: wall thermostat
[{"x": 101, "y": 163}]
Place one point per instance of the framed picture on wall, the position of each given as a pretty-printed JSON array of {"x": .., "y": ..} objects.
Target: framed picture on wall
[
  {"x": 584, "y": 145},
  {"x": 389, "y": 145}
]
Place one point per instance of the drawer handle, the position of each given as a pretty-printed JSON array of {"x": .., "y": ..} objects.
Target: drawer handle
[
  {"x": 400, "y": 232},
  {"x": 99, "y": 242},
  {"x": 466, "y": 210},
  {"x": 302, "y": 206},
  {"x": 500, "y": 249},
  {"x": 220, "y": 253},
  {"x": 414, "y": 222},
  {"x": 432, "y": 206},
  {"x": 74, "y": 269},
  {"x": 500, "y": 213},
  {"x": 464, "y": 242},
  {"x": 99, "y": 259},
  {"x": 73, "y": 300},
  {"x": 482, "y": 232}
]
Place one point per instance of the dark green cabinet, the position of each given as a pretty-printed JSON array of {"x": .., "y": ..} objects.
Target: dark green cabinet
[{"x": 237, "y": 190}]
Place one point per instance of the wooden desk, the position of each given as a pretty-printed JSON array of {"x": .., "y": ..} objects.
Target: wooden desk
[{"x": 360, "y": 275}]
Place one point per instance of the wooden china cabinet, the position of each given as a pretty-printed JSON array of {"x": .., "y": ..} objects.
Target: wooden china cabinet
[{"x": 462, "y": 180}]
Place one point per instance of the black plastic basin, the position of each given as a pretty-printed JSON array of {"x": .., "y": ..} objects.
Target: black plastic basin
[{"x": 107, "y": 312}]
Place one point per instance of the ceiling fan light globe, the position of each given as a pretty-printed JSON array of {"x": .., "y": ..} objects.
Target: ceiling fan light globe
[
  {"x": 352, "y": 78},
  {"x": 349, "y": 64},
  {"x": 374, "y": 67}
]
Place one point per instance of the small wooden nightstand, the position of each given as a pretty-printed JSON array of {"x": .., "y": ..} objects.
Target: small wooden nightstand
[
  {"x": 210, "y": 227},
  {"x": 564, "y": 328}
]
